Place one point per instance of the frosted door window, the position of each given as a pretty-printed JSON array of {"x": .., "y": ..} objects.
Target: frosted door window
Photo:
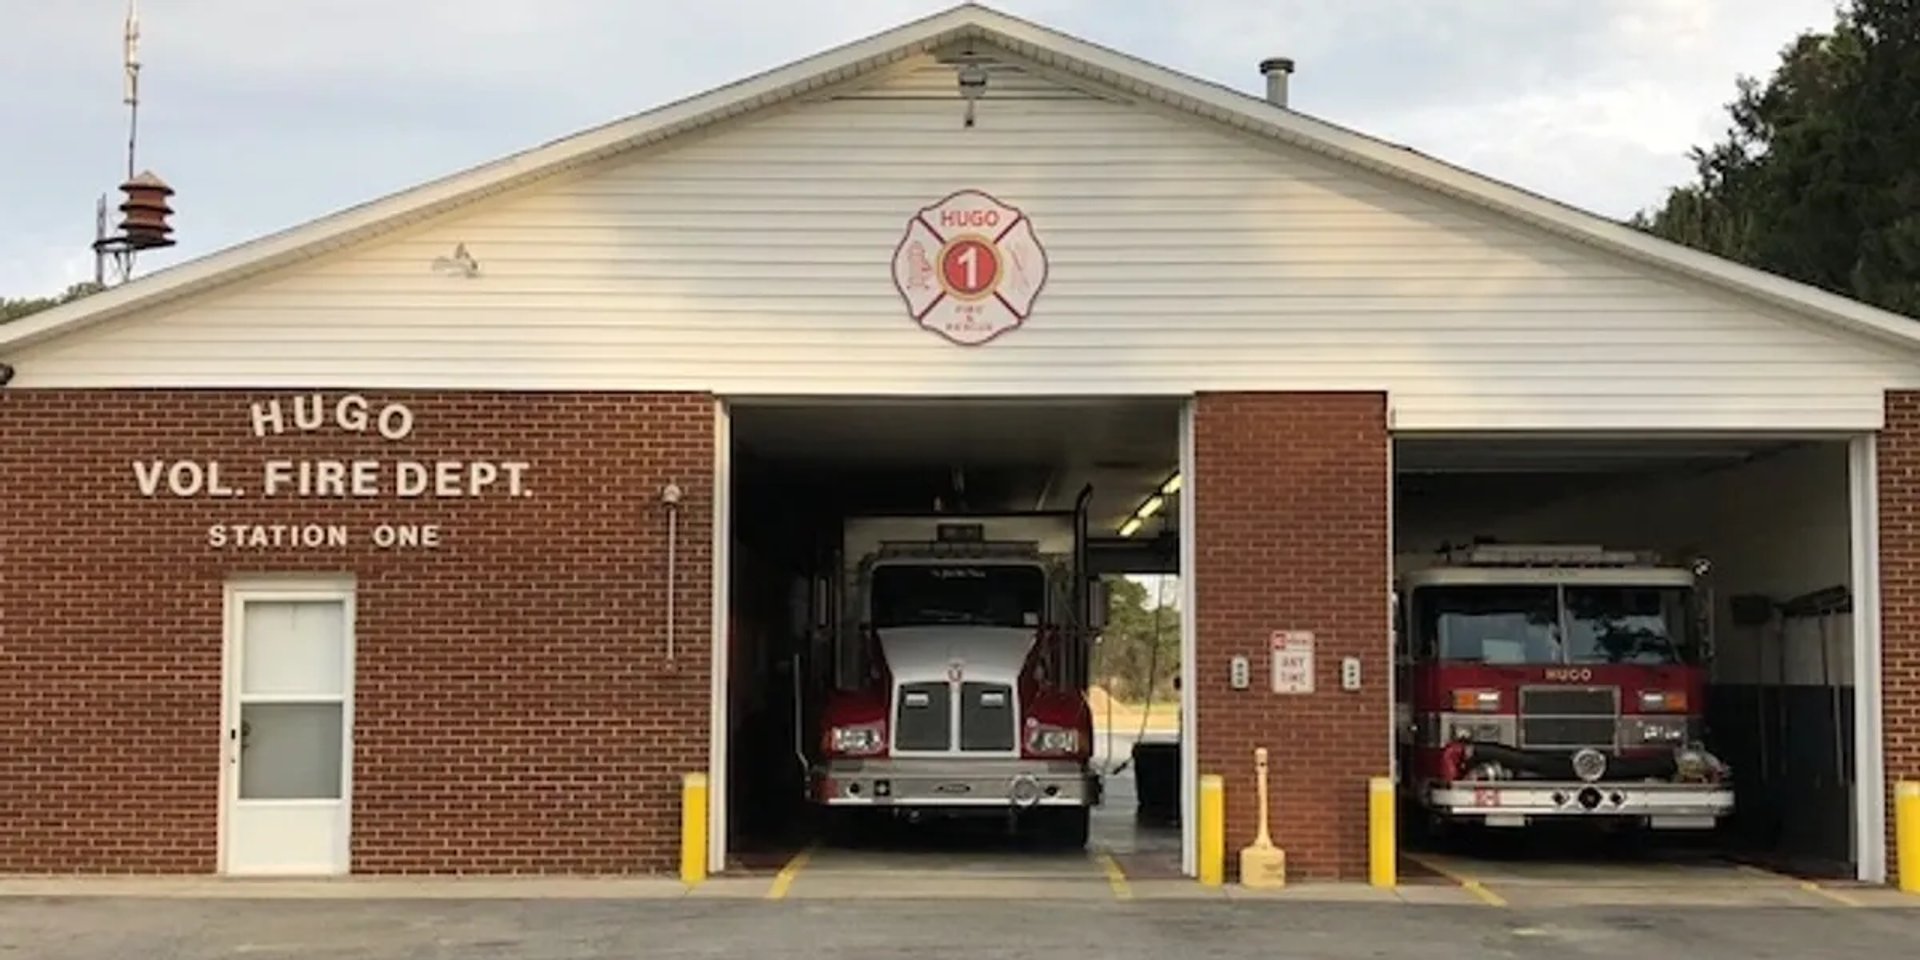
[
  {"x": 290, "y": 751},
  {"x": 293, "y": 648},
  {"x": 293, "y": 683}
]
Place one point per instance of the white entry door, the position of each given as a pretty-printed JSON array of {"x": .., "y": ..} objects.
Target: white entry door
[{"x": 288, "y": 750}]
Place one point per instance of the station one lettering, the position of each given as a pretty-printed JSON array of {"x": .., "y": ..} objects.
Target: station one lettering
[{"x": 329, "y": 478}]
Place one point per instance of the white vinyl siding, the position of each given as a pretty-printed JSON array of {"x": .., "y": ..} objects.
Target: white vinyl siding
[{"x": 755, "y": 259}]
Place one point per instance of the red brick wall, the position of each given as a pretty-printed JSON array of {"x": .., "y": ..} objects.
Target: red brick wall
[
  {"x": 1290, "y": 521},
  {"x": 1898, "y": 451},
  {"x": 514, "y": 711}
]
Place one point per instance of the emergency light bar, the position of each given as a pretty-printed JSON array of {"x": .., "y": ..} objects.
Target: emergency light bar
[{"x": 1547, "y": 555}]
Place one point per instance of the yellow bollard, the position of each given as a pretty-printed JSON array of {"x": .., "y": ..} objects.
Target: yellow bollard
[
  {"x": 1906, "y": 818},
  {"x": 1213, "y": 830},
  {"x": 693, "y": 828},
  {"x": 1383, "y": 852}
]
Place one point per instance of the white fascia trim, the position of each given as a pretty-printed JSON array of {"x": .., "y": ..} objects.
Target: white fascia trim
[
  {"x": 1189, "y": 656},
  {"x": 1870, "y": 786}
]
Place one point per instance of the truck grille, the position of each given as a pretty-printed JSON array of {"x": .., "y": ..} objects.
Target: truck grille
[
  {"x": 1569, "y": 717},
  {"x": 926, "y": 715},
  {"x": 986, "y": 716}
]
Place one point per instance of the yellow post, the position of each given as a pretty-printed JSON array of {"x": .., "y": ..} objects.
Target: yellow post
[
  {"x": 1383, "y": 853},
  {"x": 1906, "y": 818},
  {"x": 1213, "y": 830},
  {"x": 693, "y": 828}
]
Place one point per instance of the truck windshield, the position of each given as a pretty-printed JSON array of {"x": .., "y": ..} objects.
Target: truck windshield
[
  {"x": 1489, "y": 624},
  {"x": 997, "y": 595},
  {"x": 1524, "y": 624},
  {"x": 1626, "y": 624}
]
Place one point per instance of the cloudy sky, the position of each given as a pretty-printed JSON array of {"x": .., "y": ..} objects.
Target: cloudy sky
[{"x": 267, "y": 113}]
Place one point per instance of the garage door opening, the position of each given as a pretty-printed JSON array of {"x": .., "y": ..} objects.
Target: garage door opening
[
  {"x": 1705, "y": 649},
  {"x": 913, "y": 663}
]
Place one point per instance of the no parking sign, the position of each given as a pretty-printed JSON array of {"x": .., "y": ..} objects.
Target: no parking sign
[{"x": 1292, "y": 661}]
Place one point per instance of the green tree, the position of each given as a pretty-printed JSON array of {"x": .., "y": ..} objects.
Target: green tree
[
  {"x": 12, "y": 309},
  {"x": 1817, "y": 178},
  {"x": 1140, "y": 648}
]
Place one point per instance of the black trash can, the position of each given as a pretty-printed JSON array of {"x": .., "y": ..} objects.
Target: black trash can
[{"x": 1156, "y": 774}]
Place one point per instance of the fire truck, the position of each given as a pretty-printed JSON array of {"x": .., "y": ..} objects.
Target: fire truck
[
  {"x": 960, "y": 660},
  {"x": 1555, "y": 683}
]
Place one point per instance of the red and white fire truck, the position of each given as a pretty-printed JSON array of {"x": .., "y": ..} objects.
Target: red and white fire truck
[
  {"x": 1558, "y": 682},
  {"x": 961, "y": 666}
]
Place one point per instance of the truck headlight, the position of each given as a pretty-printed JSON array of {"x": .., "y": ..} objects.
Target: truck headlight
[
  {"x": 1495, "y": 730},
  {"x": 856, "y": 741},
  {"x": 1661, "y": 730},
  {"x": 1058, "y": 740}
]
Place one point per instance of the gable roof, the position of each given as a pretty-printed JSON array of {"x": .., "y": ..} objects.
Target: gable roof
[{"x": 1046, "y": 47}]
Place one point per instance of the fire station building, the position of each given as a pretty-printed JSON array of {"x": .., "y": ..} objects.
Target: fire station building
[{"x": 447, "y": 533}]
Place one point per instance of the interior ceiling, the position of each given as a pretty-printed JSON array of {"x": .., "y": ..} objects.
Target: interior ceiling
[
  {"x": 1022, "y": 455},
  {"x": 1485, "y": 476}
]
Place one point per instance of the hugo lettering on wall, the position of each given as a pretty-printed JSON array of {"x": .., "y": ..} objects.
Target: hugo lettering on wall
[
  {"x": 969, "y": 267},
  {"x": 320, "y": 478}
]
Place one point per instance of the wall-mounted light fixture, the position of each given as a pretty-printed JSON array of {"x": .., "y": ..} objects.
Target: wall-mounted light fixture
[
  {"x": 1153, "y": 504},
  {"x": 973, "y": 84}
]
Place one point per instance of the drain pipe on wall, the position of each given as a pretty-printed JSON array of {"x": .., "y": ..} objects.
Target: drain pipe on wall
[{"x": 671, "y": 495}]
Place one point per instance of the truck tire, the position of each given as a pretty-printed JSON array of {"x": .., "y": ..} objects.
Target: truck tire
[{"x": 1066, "y": 828}]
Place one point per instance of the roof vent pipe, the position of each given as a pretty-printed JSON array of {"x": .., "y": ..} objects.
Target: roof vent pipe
[{"x": 1277, "y": 70}]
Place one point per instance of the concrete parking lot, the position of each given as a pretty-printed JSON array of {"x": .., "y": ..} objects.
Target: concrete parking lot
[
  {"x": 113, "y": 928},
  {"x": 958, "y": 894}
]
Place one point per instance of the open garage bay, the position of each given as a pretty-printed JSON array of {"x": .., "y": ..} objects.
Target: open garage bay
[
  {"x": 803, "y": 474},
  {"x": 1755, "y": 619}
]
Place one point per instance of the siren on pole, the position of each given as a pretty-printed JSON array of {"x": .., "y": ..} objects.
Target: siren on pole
[{"x": 144, "y": 209}]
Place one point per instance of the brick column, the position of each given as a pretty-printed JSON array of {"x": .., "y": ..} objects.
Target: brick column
[
  {"x": 1290, "y": 516},
  {"x": 1899, "y": 470}
]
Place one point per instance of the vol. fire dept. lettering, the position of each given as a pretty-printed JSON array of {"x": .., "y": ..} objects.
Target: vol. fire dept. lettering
[{"x": 406, "y": 479}]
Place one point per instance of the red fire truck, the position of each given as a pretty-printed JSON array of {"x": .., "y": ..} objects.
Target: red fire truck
[
  {"x": 1559, "y": 682},
  {"x": 961, "y": 663}
]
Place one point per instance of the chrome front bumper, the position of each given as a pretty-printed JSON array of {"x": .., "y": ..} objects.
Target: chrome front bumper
[
  {"x": 1512, "y": 802},
  {"x": 956, "y": 782}
]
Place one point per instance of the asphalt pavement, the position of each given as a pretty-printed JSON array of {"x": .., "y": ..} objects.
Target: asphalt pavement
[{"x": 97, "y": 928}]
